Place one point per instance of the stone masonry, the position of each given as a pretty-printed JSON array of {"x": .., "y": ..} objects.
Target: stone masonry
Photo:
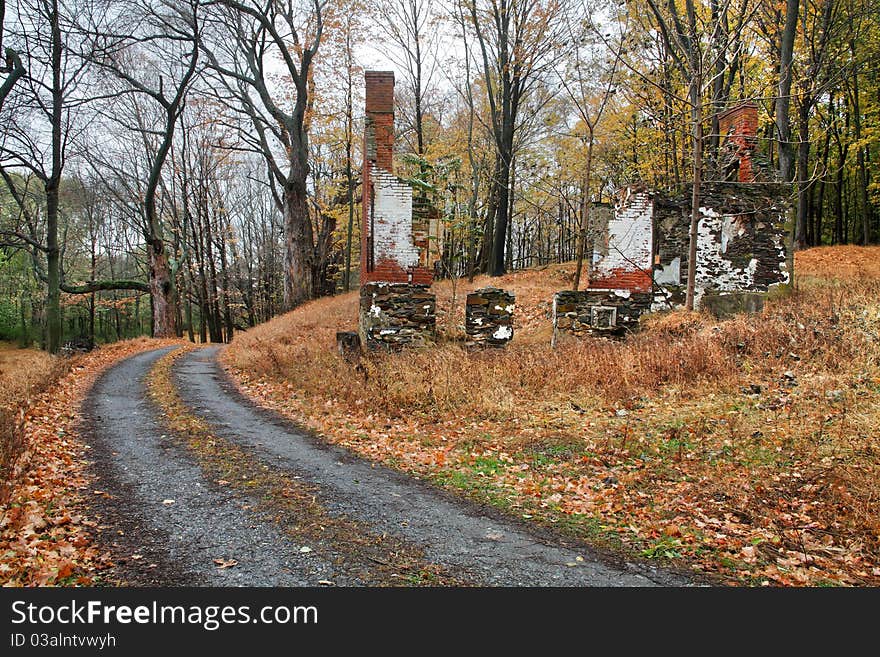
[
  {"x": 396, "y": 308},
  {"x": 489, "y": 317},
  {"x": 742, "y": 242},
  {"x": 597, "y": 312},
  {"x": 396, "y": 315}
]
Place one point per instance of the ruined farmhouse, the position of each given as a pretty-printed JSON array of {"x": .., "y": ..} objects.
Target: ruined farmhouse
[
  {"x": 639, "y": 261},
  {"x": 640, "y": 257}
]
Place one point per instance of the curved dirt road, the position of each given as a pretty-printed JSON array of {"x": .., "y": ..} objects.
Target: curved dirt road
[{"x": 171, "y": 521}]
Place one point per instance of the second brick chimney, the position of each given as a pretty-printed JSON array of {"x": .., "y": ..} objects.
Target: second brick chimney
[{"x": 739, "y": 128}]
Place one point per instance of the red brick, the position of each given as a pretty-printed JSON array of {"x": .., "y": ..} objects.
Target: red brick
[
  {"x": 739, "y": 126},
  {"x": 621, "y": 279}
]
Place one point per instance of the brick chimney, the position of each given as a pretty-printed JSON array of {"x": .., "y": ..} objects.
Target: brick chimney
[
  {"x": 388, "y": 253},
  {"x": 739, "y": 128},
  {"x": 379, "y": 129}
]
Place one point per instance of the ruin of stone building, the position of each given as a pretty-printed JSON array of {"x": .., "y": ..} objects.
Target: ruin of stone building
[
  {"x": 641, "y": 251},
  {"x": 389, "y": 252}
]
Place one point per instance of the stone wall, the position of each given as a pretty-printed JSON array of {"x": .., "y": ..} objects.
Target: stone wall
[
  {"x": 597, "y": 312},
  {"x": 742, "y": 241},
  {"x": 489, "y": 317},
  {"x": 396, "y": 315}
]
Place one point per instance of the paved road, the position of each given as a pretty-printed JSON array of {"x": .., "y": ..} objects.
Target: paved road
[{"x": 142, "y": 467}]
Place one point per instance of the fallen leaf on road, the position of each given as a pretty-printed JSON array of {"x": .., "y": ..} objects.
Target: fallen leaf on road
[{"x": 225, "y": 563}]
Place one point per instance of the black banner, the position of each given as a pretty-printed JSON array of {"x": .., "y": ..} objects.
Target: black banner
[{"x": 123, "y": 621}]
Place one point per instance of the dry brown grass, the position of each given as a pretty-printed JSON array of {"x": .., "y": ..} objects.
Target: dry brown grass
[
  {"x": 671, "y": 405},
  {"x": 675, "y": 349}
]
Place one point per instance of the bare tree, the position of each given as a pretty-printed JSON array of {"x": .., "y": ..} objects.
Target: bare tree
[
  {"x": 693, "y": 44},
  {"x": 410, "y": 27},
  {"x": 173, "y": 32},
  {"x": 589, "y": 81},
  {"x": 43, "y": 104},
  {"x": 515, "y": 38},
  {"x": 246, "y": 38}
]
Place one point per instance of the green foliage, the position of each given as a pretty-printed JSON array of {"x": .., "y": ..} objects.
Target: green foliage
[{"x": 10, "y": 327}]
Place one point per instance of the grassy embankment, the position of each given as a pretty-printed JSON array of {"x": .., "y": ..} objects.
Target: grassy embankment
[{"x": 746, "y": 449}]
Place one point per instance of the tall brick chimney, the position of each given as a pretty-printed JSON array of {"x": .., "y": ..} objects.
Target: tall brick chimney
[
  {"x": 388, "y": 253},
  {"x": 739, "y": 129}
]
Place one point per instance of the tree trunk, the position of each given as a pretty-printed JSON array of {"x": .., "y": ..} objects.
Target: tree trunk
[
  {"x": 586, "y": 203},
  {"x": 499, "y": 236},
  {"x": 53, "y": 253},
  {"x": 162, "y": 292},
  {"x": 298, "y": 245},
  {"x": 842, "y": 153},
  {"x": 803, "y": 175},
  {"x": 697, "y": 128},
  {"x": 488, "y": 241},
  {"x": 53, "y": 270},
  {"x": 224, "y": 280},
  {"x": 349, "y": 172},
  {"x": 783, "y": 101},
  {"x": 863, "y": 205}
]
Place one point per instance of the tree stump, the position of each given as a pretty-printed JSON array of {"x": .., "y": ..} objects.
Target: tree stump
[{"x": 349, "y": 345}]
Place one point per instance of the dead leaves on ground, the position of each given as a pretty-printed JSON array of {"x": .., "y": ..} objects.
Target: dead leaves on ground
[
  {"x": 45, "y": 537},
  {"x": 767, "y": 475}
]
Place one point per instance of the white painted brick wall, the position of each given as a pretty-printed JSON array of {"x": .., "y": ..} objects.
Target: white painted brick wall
[
  {"x": 630, "y": 237},
  {"x": 714, "y": 270},
  {"x": 392, "y": 220}
]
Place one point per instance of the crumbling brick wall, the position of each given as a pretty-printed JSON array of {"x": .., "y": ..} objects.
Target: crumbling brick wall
[
  {"x": 388, "y": 250},
  {"x": 396, "y": 308},
  {"x": 623, "y": 261},
  {"x": 742, "y": 242}
]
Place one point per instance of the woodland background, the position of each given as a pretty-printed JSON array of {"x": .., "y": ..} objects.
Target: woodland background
[{"x": 192, "y": 168}]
